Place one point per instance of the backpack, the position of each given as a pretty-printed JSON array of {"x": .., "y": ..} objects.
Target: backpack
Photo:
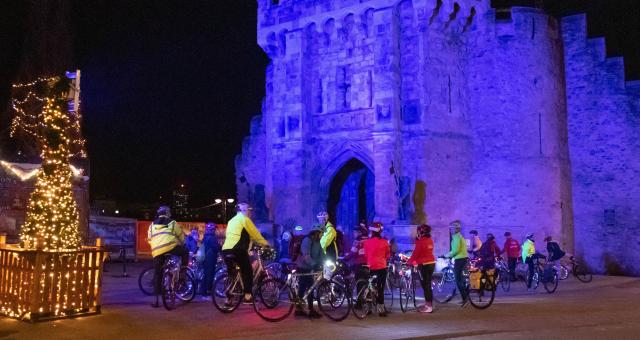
[
  {"x": 294, "y": 247},
  {"x": 486, "y": 251}
]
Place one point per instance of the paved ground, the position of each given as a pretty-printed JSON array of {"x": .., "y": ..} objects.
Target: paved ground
[{"x": 609, "y": 307}]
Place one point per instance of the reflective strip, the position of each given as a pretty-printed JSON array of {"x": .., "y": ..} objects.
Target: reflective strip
[
  {"x": 163, "y": 245},
  {"x": 161, "y": 233}
]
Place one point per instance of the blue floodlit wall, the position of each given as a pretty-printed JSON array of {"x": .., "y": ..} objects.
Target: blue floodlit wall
[{"x": 456, "y": 114}]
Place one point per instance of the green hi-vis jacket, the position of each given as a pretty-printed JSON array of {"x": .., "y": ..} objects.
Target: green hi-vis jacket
[
  {"x": 458, "y": 247},
  {"x": 240, "y": 232},
  {"x": 163, "y": 235},
  {"x": 528, "y": 249}
]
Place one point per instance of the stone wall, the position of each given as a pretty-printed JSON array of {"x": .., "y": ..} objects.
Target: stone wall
[{"x": 604, "y": 141}]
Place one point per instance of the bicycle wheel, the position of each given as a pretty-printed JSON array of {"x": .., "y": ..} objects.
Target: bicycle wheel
[
  {"x": 504, "y": 279},
  {"x": 405, "y": 295},
  {"x": 364, "y": 301},
  {"x": 483, "y": 296},
  {"x": 226, "y": 294},
  {"x": 582, "y": 274},
  {"x": 388, "y": 296},
  {"x": 563, "y": 272},
  {"x": 168, "y": 292},
  {"x": 273, "y": 301},
  {"x": 442, "y": 287},
  {"x": 145, "y": 281},
  {"x": 186, "y": 288},
  {"x": 552, "y": 284},
  {"x": 333, "y": 299}
]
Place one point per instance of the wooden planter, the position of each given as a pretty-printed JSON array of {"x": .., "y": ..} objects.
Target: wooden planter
[{"x": 38, "y": 285}]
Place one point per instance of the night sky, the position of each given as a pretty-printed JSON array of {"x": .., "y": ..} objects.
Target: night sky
[{"x": 169, "y": 87}]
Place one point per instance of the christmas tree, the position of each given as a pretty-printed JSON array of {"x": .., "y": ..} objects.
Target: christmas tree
[{"x": 43, "y": 116}]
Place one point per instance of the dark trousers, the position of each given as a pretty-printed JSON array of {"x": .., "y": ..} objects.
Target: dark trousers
[
  {"x": 531, "y": 262},
  {"x": 210, "y": 260},
  {"x": 458, "y": 268},
  {"x": 158, "y": 262},
  {"x": 242, "y": 259},
  {"x": 380, "y": 283},
  {"x": 426, "y": 272},
  {"x": 512, "y": 261},
  {"x": 361, "y": 272},
  {"x": 304, "y": 282}
]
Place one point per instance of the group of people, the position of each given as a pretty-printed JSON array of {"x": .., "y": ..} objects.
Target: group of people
[{"x": 368, "y": 255}]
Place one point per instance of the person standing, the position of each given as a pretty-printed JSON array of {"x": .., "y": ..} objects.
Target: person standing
[
  {"x": 211, "y": 250},
  {"x": 553, "y": 249},
  {"x": 240, "y": 232},
  {"x": 476, "y": 243},
  {"x": 377, "y": 251},
  {"x": 165, "y": 237},
  {"x": 191, "y": 242},
  {"x": 328, "y": 239},
  {"x": 528, "y": 255},
  {"x": 356, "y": 257},
  {"x": 309, "y": 260},
  {"x": 512, "y": 249},
  {"x": 423, "y": 257},
  {"x": 460, "y": 256}
]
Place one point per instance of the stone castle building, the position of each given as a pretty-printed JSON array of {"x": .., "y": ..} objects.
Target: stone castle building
[{"x": 420, "y": 111}]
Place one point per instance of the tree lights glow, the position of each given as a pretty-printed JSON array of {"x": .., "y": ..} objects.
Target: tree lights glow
[{"x": 43, "y": 115}]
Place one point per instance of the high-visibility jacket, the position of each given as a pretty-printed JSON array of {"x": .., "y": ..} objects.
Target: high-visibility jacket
[
  {"x": 240, "y": 232},
  {"x": 163, "y": 235},
  {"x": 528, "y": 249},
  {"x": 458, "y": 247},
  {"x": 328, "y": 241}
]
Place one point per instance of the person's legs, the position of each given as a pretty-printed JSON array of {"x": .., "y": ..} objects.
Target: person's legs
[
  {"x": 458, "y": 267},
  {"x": 209, "y": 272},
  {"x": 427, "y": 272},
  {"x": 242, "y": 257},
  {"x": 158, "y": 262},
  {"x": 381, "y": 281},
  {"x": 512, "y": 267},
  {"x": 529, "y": 263}
]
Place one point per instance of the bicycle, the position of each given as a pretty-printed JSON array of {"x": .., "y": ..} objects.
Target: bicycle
[
  {"x": 542, "y": 274},
  {"x": 480, "y": 284},
  {"x": 274, "y": 301},
  {"x": 407, "y": 289},
  {"x": 366, "y": 297},
  {"x": 175, "y": 285},
  {"x": 196, "y": 271},
  {"x": 578, "y": 270},
  {"x": 227, "y": 291},
  {"x": 503, "y": 277}
]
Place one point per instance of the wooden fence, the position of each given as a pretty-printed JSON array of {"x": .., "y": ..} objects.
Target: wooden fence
[{"x": 38, "y": 285}]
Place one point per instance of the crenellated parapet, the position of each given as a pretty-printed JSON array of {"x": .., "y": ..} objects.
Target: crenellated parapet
[{"x": 335, "y": 19}]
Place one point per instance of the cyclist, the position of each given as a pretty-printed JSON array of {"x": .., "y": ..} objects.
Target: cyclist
[
  {"x": 488, "y": 252},
  {"x": 512, "y": 249},
  {"x": 423, "y": 257},
  {"x": 553, "y": 248},
  {"x": 476, "y": 243},
  {"x": 309, "y": 260},
  {"x": 165, "y": 237},
  {"x": 459, "y": 254},
  {"x": 211, "y": 248},
  {"x": 328, "y": 240},
  {"x": 528, "y": 257},
  {"x": 378, "y": 253},
  {"x": 240, "y": 232},
  {"x": 356, "y": 256}
]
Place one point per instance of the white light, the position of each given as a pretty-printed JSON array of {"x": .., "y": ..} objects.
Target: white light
[
  {"x": 117, "y": 211},
  {"x": 230, "y": 200},
  {"x": 218, "y": 201}
]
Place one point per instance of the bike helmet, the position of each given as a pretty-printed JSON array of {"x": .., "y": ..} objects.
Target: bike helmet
[
  {"x": 164, "y": 210},
  {"x": 423, "y": 230},
  {"x": 376, "y": 227}
]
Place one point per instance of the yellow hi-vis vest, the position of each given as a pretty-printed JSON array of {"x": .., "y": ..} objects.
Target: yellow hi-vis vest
[{"x": 164, "y": 237}]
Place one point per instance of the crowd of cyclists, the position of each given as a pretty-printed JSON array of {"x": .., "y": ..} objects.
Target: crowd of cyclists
[{"x": 369, "y": 256}]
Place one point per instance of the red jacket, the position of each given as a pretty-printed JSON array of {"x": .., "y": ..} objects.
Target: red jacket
[
  {"x": 512, "y": 248},
  {"x": 423, "y": 252},
  {"x": 377, "y": 252},
  {"x": 356, "y": 253}
]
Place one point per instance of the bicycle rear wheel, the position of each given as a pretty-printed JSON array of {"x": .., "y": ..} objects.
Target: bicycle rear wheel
[
  {"x": 145, "y": 281},
  {"x": 334, "y": 299},
  {"x": 582, "y": 274},
  {"x": 365, "y": 301},
  {"x": 443, "y": 289},
  {"x": 552, "y": 284},
  {"x": 483, "y": 296},
  {"x": 563, "y": 272},
  {"x": 273, "y": 301},
  {"x": 226, "y": 294}
]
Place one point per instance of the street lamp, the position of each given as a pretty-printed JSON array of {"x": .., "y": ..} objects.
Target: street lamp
[{"x": 224, "y": 203}]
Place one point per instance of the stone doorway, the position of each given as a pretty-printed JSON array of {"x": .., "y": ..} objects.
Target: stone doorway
[{"x": 351, "y": 196}]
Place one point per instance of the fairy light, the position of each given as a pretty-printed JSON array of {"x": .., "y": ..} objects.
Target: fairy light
[{"x": 42, "y": 112}]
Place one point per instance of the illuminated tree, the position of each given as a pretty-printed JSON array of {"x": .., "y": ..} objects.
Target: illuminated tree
[{"x": 43, "y": 115}]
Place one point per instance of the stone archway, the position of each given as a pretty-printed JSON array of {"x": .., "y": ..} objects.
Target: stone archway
[{"x": 351, "y": 196}]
